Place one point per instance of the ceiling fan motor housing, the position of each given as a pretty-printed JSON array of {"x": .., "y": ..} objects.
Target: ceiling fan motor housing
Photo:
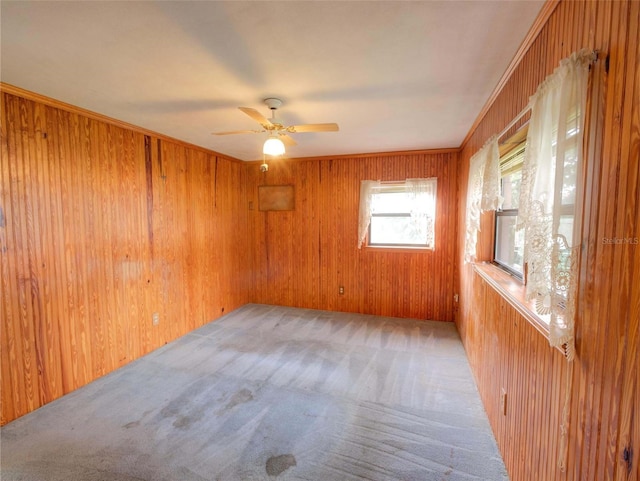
[{"x": 273, "y": 103}]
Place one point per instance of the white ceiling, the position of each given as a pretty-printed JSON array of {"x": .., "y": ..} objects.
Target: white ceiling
[{"x": 395, "y": 75}]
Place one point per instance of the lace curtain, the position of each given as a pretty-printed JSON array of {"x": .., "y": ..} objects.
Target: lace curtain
[
  {"x": 551, "y": 198},
  {"x": 367, "y": 189},
  {"x": 483, "y": 192},
  {"x": 423, "y": 213}
]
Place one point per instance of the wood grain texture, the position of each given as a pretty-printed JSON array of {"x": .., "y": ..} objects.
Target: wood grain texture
[
  {"x": 604, "y": 422},
  {"x": 89, "y": 114},
  {"x": 301, "y": 257},
  {"x": 100, "y": 227}
]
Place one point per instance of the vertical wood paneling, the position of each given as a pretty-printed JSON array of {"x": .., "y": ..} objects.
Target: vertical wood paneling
[
  {"x": 100, "y": 227},
  {"x": 303, "y": 256},
  {"x": 629, "y": 431},
  {"x": 603, "y": 422}
]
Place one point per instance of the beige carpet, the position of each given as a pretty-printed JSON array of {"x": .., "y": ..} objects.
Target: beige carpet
[{"x": 270, "y": 393}]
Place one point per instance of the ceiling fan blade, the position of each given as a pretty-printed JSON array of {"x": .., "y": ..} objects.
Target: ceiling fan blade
[
  {"x": 287, "y": 140},
  {"x": 255, "y": 115},
  {"x": 313, "y": 128},
  {"x": 238, "y": 132}
]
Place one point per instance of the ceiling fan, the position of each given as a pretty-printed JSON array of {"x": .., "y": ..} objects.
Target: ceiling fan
[{"x": 278, "y": 132}]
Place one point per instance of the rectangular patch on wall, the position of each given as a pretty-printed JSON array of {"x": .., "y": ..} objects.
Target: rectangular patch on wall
[{"x": 276, "y": 197}]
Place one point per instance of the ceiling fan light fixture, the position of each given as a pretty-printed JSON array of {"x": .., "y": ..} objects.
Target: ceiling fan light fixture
[
  {"x": 276, "y": 129},
  {"x": 273, "y": 146}
]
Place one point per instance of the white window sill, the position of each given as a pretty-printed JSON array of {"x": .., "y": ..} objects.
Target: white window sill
[{"x": 398, "y": 249}]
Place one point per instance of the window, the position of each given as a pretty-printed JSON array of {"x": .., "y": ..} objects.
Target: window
[
  {"x": 508, "y": 241},
  {"x": 398, "y": 214}
]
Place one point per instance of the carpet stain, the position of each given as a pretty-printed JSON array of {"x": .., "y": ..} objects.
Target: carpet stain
[
  {"x": 183, "y": 422},
  {"x": 134, "y": 424},
  {"x": 278, "y": 464},
  {"x": 242, "y": 396}
]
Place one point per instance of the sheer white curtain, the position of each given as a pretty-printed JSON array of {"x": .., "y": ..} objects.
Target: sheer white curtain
[
  {"x": 483, "y": 192},
  {"x": 367, "y": 189},
  {"x": 423, "y": 212},
  {"x": 491, "y": 198},
  {"x": 550, "y": 207}
]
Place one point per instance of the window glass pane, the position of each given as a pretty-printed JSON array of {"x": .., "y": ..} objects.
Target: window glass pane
[
  {"x": 565, "y": 228},
  {"x": 391, "y": 202},
  {"x": 511, "y": 190},
  {"x": 509, "y": 242},
  {"x": 569, "y": 177},
  {"x": 398, "y": 231}
]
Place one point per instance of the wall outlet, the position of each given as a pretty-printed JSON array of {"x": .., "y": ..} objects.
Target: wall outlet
[
  {"x": 341, "y": 290},
  {"x": 155, "y": 318},
  {"x": 503, "y": 402}
]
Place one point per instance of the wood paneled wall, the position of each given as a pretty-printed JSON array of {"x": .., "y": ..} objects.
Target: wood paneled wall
[
  {"x": 100, "y": 227},
  {"x": 520, "y": 362},
  {"x": 604, "y": 434},
  {"x": 301, "y": 257}
]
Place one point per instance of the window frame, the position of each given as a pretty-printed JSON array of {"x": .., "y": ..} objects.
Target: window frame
[
  {"x": 500, "y": 264},
  {"x": 518, "y": 140},
  {"x": 400, "y": 187}
]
